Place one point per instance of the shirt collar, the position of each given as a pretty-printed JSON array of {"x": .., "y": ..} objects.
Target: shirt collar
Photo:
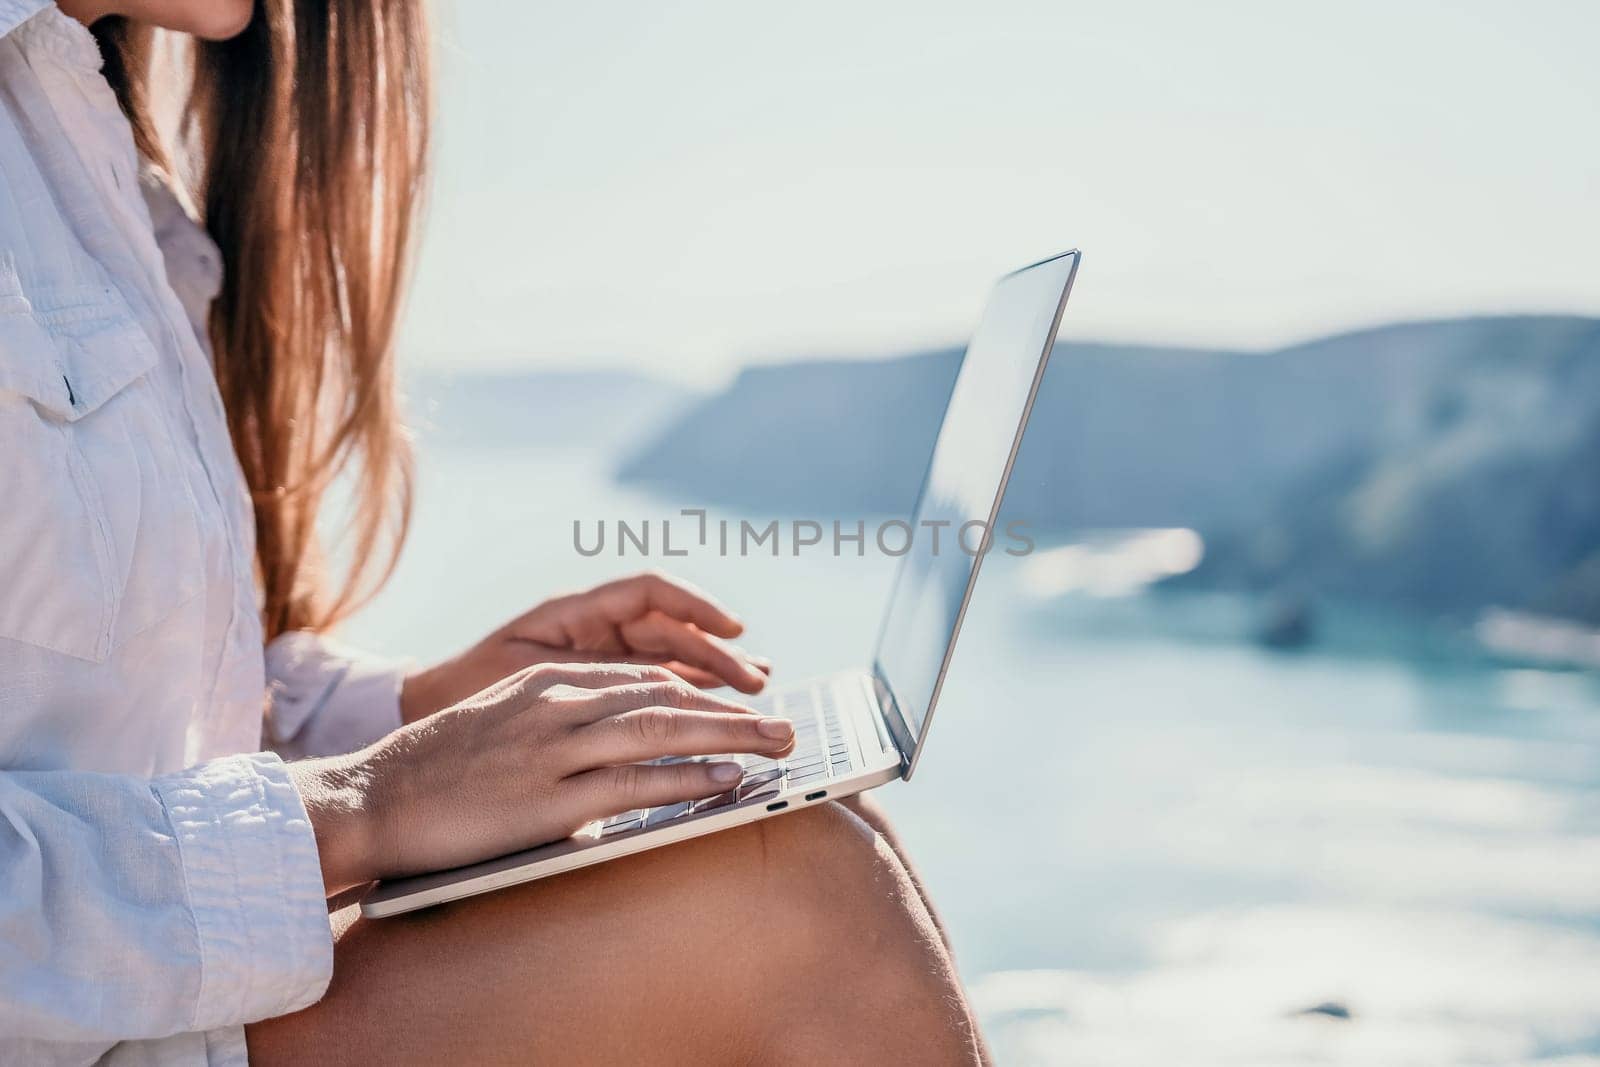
[
  {"x": 14, "y": 13},
  {"x": 41, "y": 25}
]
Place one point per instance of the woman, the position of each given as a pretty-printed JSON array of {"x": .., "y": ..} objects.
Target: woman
[{"x": 174, "y": 402}]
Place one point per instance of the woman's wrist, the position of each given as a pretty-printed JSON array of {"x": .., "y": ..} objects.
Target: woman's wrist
[
  {"x": 416, "y": 691},
  {"x": 339, "y": 801},
  {"x": 431, "y": 689},
  {"x": 426, "y": 690}
]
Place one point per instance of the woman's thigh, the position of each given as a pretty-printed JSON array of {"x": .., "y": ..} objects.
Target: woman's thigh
[{"x": 798, "y": 937}]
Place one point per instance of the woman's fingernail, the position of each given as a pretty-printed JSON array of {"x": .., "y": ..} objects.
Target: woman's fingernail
[
  {"x": 726, "y": 772},
  {"x": 778, "y": 729}
]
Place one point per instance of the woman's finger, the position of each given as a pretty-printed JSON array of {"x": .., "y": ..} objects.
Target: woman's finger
[
  {"x": 606, "y": 791},
  {"x": 694, "y": 675},
  {"x": 673, "y": 693},
  {"x": 629, "y": 598},
  {"x": 533, "y": 681},
  {"x": 650, "y": 733},
  {"x": 663, "y": 635},
  {"x": 543, "y": 676}
]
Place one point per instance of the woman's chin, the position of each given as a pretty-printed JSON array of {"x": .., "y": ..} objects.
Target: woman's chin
[
  {"x": 209, "y": 20},
  {"x": 219, "y": 22}
]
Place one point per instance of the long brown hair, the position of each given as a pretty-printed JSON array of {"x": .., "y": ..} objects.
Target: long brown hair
[{"x": 305, "y": 140}]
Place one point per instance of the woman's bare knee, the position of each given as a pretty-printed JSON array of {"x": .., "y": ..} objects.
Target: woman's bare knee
[
  {"x": 873, "y": 957},
  {"x": 867, "y": 809},
  {"x": 771, "y": 943},
  {"x": 816, "y": 841},
  {"x": 872, "y": 813}
]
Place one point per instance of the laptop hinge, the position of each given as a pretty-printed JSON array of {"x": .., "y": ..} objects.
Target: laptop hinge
[{"x": 899, "y": 736}]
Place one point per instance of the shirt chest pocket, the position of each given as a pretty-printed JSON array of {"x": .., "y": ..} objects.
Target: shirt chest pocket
[{"x": 99, "y": 537}]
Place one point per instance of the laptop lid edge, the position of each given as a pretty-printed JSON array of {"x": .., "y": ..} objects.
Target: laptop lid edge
[{"x": 899, "y": 727}]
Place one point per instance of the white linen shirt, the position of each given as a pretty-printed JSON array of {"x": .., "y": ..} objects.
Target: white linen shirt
[{"x": 159, "y": 880}]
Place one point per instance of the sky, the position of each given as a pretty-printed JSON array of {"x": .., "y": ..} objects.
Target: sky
[{"x": 685, "y": 188}]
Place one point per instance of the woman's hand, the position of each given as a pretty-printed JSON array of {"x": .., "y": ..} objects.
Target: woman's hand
[
  {"x": 528, "y": 761},
  {"x": 648, "y": 618}
]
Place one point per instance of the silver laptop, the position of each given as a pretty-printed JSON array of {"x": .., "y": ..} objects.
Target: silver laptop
[{"x": 861, "y": 728}]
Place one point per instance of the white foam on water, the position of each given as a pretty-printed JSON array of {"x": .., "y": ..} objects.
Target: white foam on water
[{"x": 1422, "y": 987}]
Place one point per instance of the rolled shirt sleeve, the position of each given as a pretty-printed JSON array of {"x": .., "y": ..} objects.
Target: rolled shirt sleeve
[
  {"x": 326, "y": 698},
  {"x": 134, "y": 909}
]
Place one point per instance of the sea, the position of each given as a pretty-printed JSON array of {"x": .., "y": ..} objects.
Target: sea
[{"x": 1153, "y": 840}]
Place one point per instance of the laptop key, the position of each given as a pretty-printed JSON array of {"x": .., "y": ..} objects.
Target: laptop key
[
  {"x": 721, "y": 800},
  {"x": 759, "y": 790},
  {"x": 666, "y": 813},
  {"x": 760, "y": 778}
]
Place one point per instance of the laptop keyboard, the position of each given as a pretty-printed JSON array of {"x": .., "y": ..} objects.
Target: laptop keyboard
[{"x": 820, "y": 753}]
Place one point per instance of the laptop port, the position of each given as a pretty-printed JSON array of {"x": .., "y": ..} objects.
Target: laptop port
[
  {"x": 778, "y": 805},
  {"x": 818, "y": 795}
]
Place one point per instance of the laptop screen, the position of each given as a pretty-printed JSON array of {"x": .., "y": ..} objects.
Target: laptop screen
[{"x": 961, "y": 496}]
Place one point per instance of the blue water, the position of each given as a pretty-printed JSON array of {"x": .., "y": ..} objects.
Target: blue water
[{"x": 1154, "y": 843}]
